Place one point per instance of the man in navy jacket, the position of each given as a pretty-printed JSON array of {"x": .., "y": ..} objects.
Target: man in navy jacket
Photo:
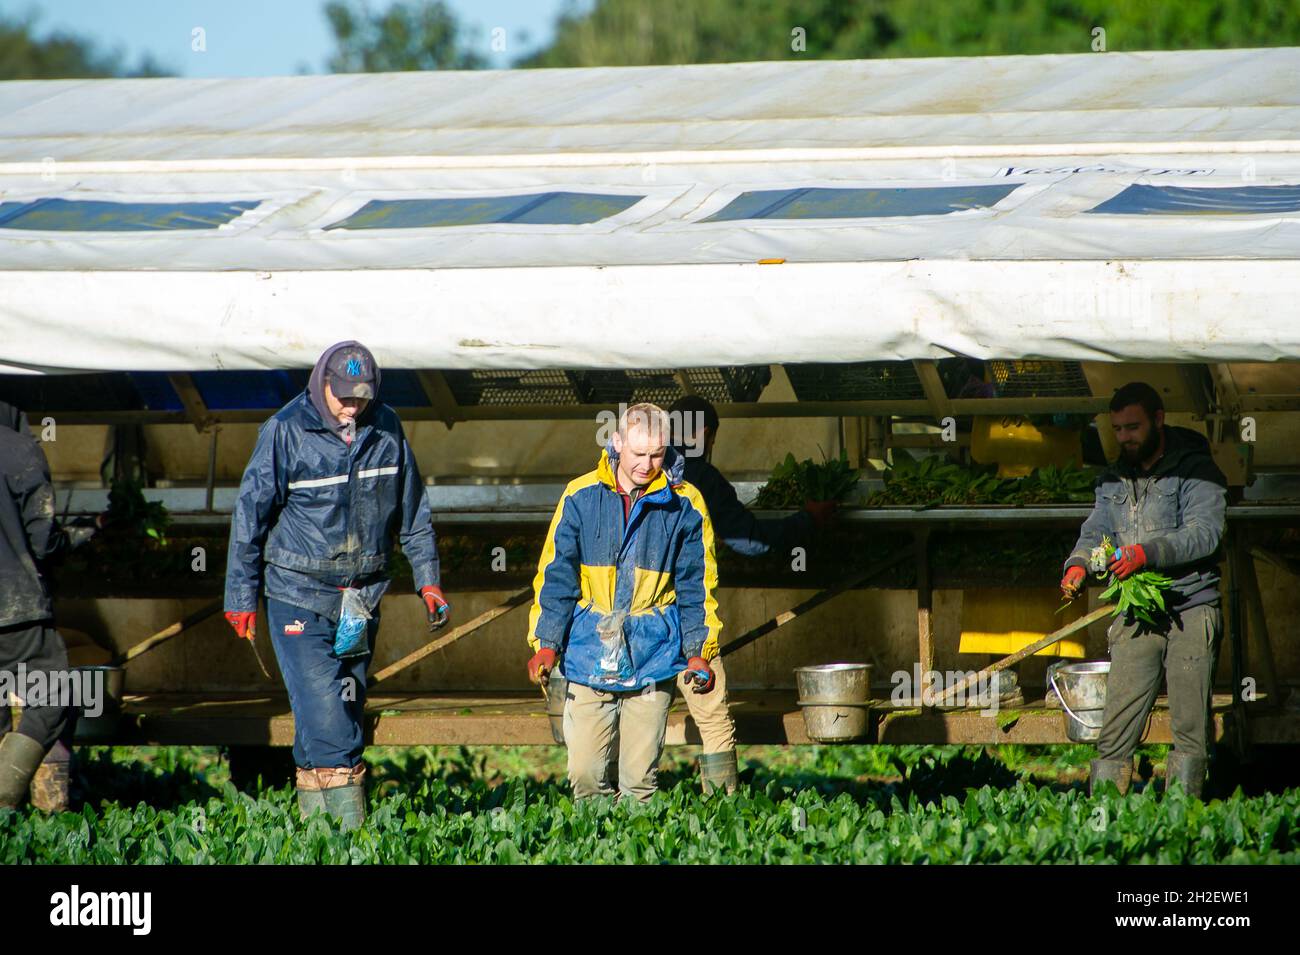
[{"x": 330, "y": 483}]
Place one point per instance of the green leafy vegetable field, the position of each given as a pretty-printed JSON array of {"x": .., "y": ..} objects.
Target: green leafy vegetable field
[{"x": 502, "y": 805}]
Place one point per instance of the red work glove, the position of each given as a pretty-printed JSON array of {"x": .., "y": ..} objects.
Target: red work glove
[
  {"x": 1127, "y": 560},
  {"x": 821, "y": 511},
  {"x": 1072, "y": 582},
  {"x": 702, "y": 665},
  {"x": 244, "y": 622},
  {"x": 435, "y": 604},
  {"x": 541, "y": 665}
]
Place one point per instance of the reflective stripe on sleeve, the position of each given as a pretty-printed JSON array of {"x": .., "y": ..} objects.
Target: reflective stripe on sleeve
[{"x": 319, "y": 482}]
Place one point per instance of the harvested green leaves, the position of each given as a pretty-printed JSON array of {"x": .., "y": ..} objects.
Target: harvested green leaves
[
  {"x": 934, "y": 480},
  {"x": 794, "y": 482}
]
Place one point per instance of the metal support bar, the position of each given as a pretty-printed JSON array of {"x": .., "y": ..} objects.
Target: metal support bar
[
  {"x": 1257, "y": 622},
  {"x": 196, "y": 410},
  {"x": 924, "y": 602},
  {"x": 919, "y": 408},
  {"x": 1198, "y": 382},
  {"x": 1236, "y": 634},
  {"x": 932, "y": 385},
  {"x": 212, "y": 469},
  {"x": 436, "y": 389}
]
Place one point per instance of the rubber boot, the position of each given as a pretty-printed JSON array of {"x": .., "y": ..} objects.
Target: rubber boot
[
  {"x": 310, "y": 799},
  {"x": 344, "y": 791},
  {"x": 1188, "y": 770},
  {"x": 718, "y": 771},
  {"x": 50, "y": 782},
  {"x": 1117, "y": 771},
  {"x": 19, "y": 758}
]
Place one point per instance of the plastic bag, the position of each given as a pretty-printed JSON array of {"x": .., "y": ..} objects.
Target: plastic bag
[
  {"x": 351, "y": 636},
  {"x": 615, "y": 663}
]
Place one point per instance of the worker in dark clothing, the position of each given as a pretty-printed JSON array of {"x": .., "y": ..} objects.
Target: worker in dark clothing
[
  {"x": 330, "y": 485},
  {"x": 1163, "y": 506},
  {"x": 32, "y": 653},
  {"x": 695, "y": 426}
]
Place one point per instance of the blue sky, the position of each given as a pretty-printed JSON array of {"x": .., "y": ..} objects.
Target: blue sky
[{"x": 260, "y": 37}]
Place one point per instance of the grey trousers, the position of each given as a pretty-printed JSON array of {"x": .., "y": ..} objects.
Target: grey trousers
[
  {"x": 1184, "y": 654},
  {"x": 597, "y": 723}
]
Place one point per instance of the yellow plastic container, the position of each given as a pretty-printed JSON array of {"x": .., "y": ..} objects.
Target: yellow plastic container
[
  {"x": 1002, "y": 620},
  {"x": 1017, "y": 447}
]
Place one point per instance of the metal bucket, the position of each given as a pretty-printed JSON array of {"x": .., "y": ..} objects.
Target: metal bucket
[
  {"x": 557, "y": 689},
  {"x": 109, "y": 683},
  {"x": 835, "y": 722},
  {"x": 1081, "y": 687},
  {"x": 839, "y": 683}
]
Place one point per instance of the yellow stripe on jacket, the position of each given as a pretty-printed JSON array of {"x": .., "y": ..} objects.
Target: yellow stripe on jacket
[
  {"x": 712, "y": 622},
  {"x": 546, "y": 563}
]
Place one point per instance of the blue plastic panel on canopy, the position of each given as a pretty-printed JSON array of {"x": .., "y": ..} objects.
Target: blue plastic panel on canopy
[
  {"x": 547, "y": 208},
  {"x": 244, "y": 390},
  {"x": 94, "y": 215},
  {"x": 233, "y": 390},
  {"x": 822, "y": 203},
  {"x": 1202, "y": 200}
]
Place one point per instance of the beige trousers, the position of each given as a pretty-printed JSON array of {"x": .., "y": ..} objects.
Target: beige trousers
[
  {"x": 597, "y": 722},
  {"x": 710, "y": 711}
]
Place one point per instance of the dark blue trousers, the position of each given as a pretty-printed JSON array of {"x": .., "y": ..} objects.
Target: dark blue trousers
[{"x": 327, "y": 694}]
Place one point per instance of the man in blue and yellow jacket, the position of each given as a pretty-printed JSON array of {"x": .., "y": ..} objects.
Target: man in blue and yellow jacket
[{"x": 625, "y": 591}]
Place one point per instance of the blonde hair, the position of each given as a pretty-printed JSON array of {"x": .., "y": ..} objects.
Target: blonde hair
[{"x": 648, "y": 416}]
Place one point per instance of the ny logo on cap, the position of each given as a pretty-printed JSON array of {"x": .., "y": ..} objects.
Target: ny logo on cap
[{"x": 354, "y": 367}]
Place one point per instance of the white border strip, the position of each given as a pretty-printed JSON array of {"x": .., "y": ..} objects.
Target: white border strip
[{"x": 660, "y": 157}]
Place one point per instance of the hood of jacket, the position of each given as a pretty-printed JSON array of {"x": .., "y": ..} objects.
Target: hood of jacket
[
  {"x": 12, "y": 418},
  {"x": 1180, "y": 444},
  {"x": 670, "y": 475},
  {"x": 316, "y": 386}
]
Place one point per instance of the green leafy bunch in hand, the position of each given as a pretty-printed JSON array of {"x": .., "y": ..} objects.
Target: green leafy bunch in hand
[{"x": 1142, "y": 593}]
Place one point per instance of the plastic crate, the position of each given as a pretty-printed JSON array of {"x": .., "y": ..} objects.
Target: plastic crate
[
  {"x": 605, "y": 386},
  {"x": 856, "y": 381},
  {"x": 1038, "y": 379},
  {"x": 492, "y": 387}
]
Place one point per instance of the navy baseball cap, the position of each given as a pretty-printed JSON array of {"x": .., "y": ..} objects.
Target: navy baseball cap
[{"x": 350, "y": 373}]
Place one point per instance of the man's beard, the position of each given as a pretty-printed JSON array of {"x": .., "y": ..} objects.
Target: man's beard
[{"x": 1145, "y": 450}]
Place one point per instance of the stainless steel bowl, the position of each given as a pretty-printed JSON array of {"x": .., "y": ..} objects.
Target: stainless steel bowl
[
  {"x": 1081, "y": 687},
  {"x": 835, "y": 722},
  {"x": 557, "y": 689},
  {"x": 839, "y": 683}
]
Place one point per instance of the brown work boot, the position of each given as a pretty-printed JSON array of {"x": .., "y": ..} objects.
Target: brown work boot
[
  {"x": 344, "y": 791},
  {"x": 310, "y": 799},
  {"x": 50, "y": 786}
]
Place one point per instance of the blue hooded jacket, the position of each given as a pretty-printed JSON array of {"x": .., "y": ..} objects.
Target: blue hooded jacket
[
  {"x": 657, "y": 566},
  {"x": 1177, "y": 513},
  {"x": 315, "y": 514}
]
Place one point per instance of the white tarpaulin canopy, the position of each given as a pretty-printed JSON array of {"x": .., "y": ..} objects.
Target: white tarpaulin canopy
[{"x": 1086, "y": 207}]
